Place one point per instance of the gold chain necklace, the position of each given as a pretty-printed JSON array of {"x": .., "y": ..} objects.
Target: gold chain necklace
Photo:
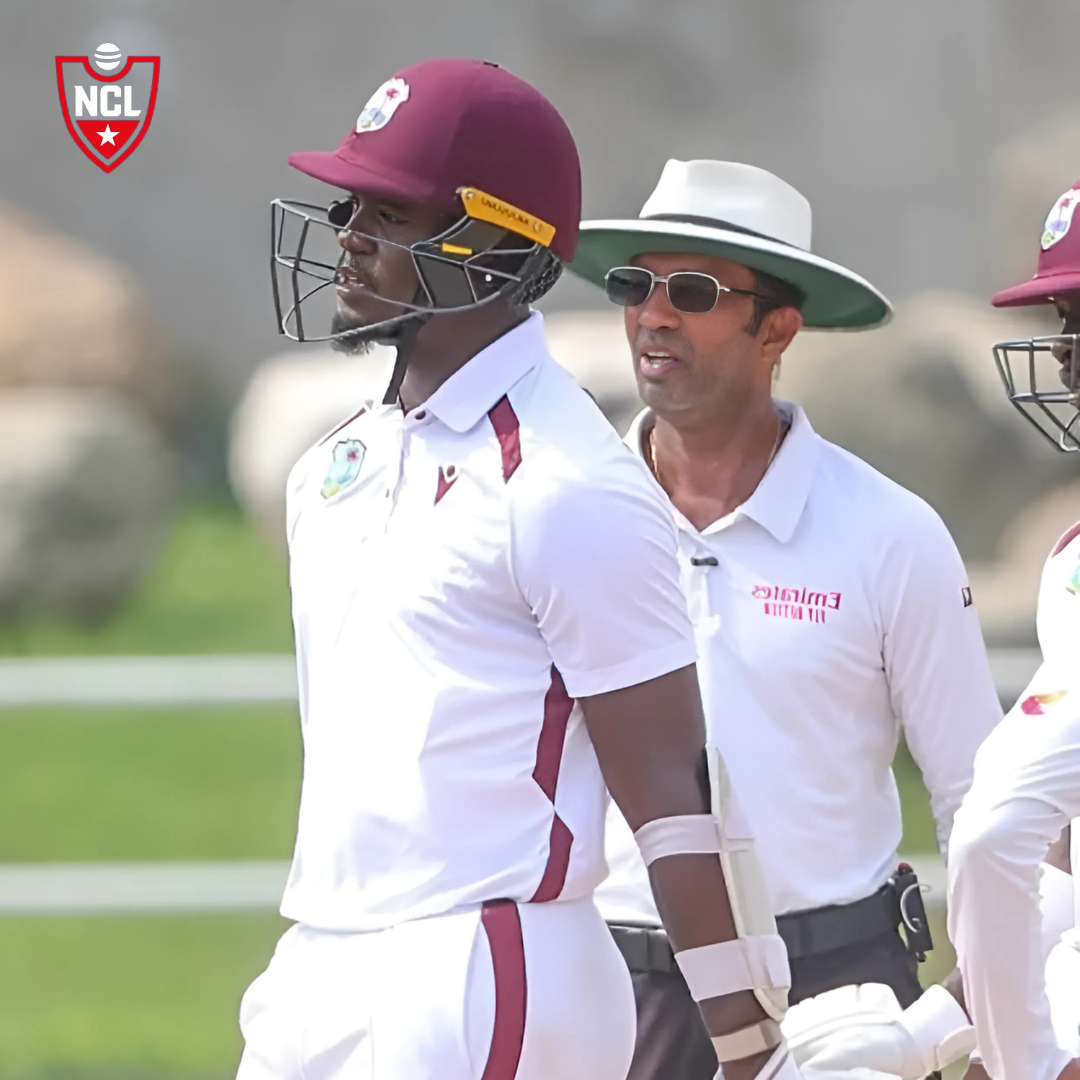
[{"x": 650, "y": 447}]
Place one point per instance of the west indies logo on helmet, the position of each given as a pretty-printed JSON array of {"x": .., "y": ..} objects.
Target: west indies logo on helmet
[
  {"x": 1042, "y": 374},
  {"x": 464, "y": 138}
]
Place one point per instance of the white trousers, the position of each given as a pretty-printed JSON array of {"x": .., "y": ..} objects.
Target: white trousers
[{"x": 506, "y": 992}]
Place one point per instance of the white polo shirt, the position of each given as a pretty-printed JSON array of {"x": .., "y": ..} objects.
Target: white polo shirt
[
  {"x": 1026, "y": 788},
  {"x": 831, "y": 612},
  {"x": 460, "y": 575}
]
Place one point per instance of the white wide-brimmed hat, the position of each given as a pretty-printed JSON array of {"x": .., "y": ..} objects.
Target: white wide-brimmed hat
[{"x": 741, "y": 213}]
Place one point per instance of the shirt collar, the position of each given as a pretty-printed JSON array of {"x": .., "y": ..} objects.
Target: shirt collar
[
  {"x": 471, "y": 392},
  {"x": 778, "y": 501}
]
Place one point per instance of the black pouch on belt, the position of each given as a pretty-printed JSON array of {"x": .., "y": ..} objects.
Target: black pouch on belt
[{"x": 905, "y": 884}]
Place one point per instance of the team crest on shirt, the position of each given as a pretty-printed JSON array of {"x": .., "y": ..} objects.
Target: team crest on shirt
[
  {"x": 1073, "y": 584},
  {"x": 344, "y": 466}
]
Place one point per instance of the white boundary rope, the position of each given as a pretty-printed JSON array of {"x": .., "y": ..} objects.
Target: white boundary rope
[
  {"x": 269, "y": 677},
  {"x": 203, "y": 887}
]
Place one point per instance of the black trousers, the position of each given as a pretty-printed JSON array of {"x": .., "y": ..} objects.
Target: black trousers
[{"x": 672, "y": 1043}]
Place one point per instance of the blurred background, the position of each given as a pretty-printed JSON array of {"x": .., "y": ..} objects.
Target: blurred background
[{"x": 149, "y": 751}]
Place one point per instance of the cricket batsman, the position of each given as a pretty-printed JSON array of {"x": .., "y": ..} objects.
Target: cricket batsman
[{"x": 489, "y": 629}]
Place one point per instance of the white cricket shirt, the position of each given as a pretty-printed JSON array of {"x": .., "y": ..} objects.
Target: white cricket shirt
[
  {"x": 831, "y": 611},
  {"x": 1026, "y": 788},
  {"x": 460, "y": 575}
]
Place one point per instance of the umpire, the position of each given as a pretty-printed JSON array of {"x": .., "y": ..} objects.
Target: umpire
[{"x": 831, "y": 607}]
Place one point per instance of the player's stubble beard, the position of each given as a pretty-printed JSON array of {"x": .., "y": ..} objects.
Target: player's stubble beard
[
  {"x": 359, "y": 339},
  {"x": 355, "y": 344}
]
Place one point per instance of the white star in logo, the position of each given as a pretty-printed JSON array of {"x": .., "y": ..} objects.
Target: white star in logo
[{"x": 108, "y": 135}]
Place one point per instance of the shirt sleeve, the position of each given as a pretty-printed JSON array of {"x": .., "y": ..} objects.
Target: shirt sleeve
[
  {"x": 597, "y": 565},
  {"x": 1024, "y": 793},
  {"x": 940, "y": 684}
]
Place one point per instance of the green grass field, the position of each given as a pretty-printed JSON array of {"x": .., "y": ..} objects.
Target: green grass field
[
  {"x": 130, "y": 998},
  {"x": 92, "y": 784},
  {"x": 215, "y": 587},
  {"x": 137, "y": 998}
]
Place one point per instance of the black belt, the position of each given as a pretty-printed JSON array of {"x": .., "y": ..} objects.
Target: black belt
[
  {"x": 644, "y": 948},
  {"x": 821, "y": 930},
  {"x": 805, "y": 933}
]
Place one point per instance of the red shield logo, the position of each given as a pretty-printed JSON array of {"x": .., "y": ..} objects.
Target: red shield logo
[{"x": 107, "y": 114}]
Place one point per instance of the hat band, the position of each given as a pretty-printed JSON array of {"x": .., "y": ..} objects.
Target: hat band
[{"x": 718, "y": 223}]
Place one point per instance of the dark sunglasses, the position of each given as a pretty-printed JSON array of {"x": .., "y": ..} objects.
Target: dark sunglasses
[{"x": 688, "y": 291}]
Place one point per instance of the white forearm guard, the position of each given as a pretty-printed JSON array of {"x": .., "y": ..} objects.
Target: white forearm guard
[{"x": 756, "y": 959}]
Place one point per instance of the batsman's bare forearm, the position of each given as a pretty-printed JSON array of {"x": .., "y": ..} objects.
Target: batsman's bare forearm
[{"x": 650, "y": 742}]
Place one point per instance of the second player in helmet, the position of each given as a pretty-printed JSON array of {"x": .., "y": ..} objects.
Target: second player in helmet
[{"x": 1025, "y": 1004}]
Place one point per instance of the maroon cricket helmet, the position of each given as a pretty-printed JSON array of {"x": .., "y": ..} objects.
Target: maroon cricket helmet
[
  {"x": 441, "y": 125},
  {"x": 1059, "y": 258}
]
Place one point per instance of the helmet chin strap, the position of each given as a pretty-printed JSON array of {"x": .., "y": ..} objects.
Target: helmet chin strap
[
  {"x": 403, "y": 336},
  {"x": 404, "y": 340}
]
